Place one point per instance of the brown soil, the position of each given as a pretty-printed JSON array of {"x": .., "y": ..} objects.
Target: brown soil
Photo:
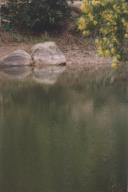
[{"x": 80, "y": 54}]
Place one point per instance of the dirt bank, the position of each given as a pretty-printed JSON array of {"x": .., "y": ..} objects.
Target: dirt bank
[{"x": 80, "y": 54}]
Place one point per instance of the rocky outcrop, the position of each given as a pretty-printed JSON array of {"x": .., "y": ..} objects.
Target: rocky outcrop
[
  {"x": 45, "y": 64},
  {"x": 46, "y": 54},
  {"x": 17, "y": 58}
]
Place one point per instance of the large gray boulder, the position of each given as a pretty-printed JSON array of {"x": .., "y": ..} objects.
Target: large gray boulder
[
  {"x": 16, "y": 58},
  {"x": 46, "y": 54}
]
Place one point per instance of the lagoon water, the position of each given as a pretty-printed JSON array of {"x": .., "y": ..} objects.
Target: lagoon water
[{"x": 63, "y": 138}]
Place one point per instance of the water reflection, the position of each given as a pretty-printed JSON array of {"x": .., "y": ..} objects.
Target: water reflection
[
  {"x": 45, "y": 75},
  {"x": 48, "y": 75},
  {"x": 17, "y": 72},
  {"x": 63, "y": 138}
]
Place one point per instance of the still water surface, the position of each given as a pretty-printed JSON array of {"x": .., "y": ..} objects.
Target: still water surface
[{"x": 63, "y": 138}]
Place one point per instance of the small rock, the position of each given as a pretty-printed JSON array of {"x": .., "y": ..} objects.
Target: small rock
[
  {"x": 16, "y": 58},
  {"x": 47, "y": 53}
]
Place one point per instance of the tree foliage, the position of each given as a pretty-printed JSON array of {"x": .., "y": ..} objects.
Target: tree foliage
[
  {"x": 107, "y": 21},
  {"x": 37, "y": 15}
]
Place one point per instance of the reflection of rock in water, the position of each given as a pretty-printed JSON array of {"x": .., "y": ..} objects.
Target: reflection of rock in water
[
  {"x": 17, "y": 72},
  {"x": 48, "y": 75}
]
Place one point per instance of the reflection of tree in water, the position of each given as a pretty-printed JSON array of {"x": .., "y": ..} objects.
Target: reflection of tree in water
[{"x": 61, "y": 139}]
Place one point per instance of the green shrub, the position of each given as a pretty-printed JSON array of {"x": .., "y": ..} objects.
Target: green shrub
[
  {"x": 37, "y": 15},
  {"x": 107, "y": 20}
]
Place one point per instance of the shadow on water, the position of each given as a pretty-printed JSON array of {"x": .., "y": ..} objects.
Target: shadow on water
[{"x": 68, "y": 137}]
